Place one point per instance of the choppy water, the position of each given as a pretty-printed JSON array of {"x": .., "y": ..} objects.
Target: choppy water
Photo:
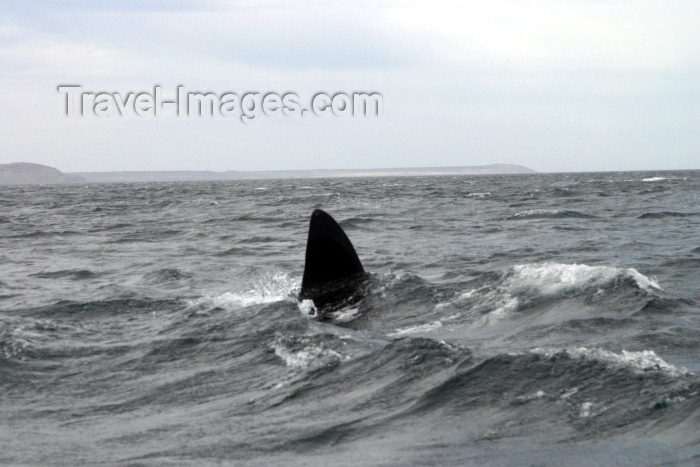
[{"x": 510, "y": 320}]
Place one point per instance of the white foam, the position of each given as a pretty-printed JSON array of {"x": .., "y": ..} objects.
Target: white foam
[
  {"x": 509, "y": 305},
  {"x": 537, "y": 212},
  {"x": 654, "y": 179},
  {"x": 14, "y": 347},
  {"x": 525, "y": 282},
  {"x": 554, "y": 278},
  {"x": 268, "y": 289},
  {"x": 533, "y": 396},
  {"x": 639, "y": 362},
  {"x": 346, "y": 314},
  {"x": 463, "y": 296},
  {"x": 311, "y": 356},
  {"x": 308, "y": 308},
  {"x": 466, "y": 295},
  {"x": 585, "y": 410},
  {"x": 643, "y": 281},
  {"x": 417, "y": 329}
]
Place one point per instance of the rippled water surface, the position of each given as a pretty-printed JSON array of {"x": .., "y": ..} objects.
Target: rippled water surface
[{"x": 509, "y": 320}]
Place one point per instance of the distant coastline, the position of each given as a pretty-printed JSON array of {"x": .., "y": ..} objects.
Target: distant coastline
[{"x": 25, "y": 173}]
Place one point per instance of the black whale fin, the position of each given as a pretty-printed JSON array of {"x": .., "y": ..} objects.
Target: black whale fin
[{"x": 332, "y": 271}]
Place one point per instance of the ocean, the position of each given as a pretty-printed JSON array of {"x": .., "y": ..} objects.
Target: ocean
[{"x": 545, "y": 319}]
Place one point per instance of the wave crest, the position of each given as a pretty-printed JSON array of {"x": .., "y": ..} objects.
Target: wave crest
[
  {"x": 308, "y": 351},
  {"x": 525, "y": 284},
  {"x": 556, "y": 278},
  {"x": 549, "y": 214},
  {"x": 640, "y": 362}
]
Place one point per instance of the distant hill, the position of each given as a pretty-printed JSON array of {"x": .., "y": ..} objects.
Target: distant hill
[
  {"x": 21, "y": 173},
  {"x": 26, "y": 173}
]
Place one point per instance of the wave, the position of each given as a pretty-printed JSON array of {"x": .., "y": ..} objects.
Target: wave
[
  {"x": 312, "y": 199},
  {"x": 307, "y": 352},
  {"x": 46, "y": 233},
  {"x": 12, "y": 341},
  {"x": 20, "y": 336},
  {"x": 563, "y": 192},
  {"x": 117, "y": 226},
  {"x": 529, "y": 283},
  {"x": 421, "y": 328},
  {"x": 665, "y": 214},
  {"x": 356, "y": 221},
  {"x": 235, "y": 251},
  {"x": 73, "y": 274},
  {"x": 639, "y": 362},
  {"x": 107, "y": 307},
  {"x": 612, "y": 389},
  {"x": 522, "y": 286},
  {"x": 146, "y": 236},
  {"x": 549, "y": 214},
  {"x": 654, "y": 179},
  {"x": 556, "y": 278},
  {"x": 165, "y": 275}
]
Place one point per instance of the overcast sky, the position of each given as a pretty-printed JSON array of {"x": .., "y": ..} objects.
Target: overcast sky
[{"x": 578, "y": 85}]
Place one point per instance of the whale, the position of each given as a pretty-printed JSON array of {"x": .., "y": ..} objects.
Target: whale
[{"x": 333, "y": 274}]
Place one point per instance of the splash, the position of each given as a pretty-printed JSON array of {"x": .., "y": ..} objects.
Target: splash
[{"x": 267, "y": 289}]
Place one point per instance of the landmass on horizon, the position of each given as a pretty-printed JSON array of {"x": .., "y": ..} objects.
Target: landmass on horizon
[{"x": 27, "y": 173}]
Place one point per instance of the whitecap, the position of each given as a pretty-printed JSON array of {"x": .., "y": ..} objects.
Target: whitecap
[
  {"x": 508, "y": 305},
  {"x": 537, "y": 212},
  {"x": 585, "y": 410},
  {"x": 345, "y": 315},
  {"x": 554, "y": 278},
  {"x": 417, "y": 329},
  {"x": 309, "y": 355},
  {"x": 638, "y": 361},
  {"x": 530, "y": 397}
]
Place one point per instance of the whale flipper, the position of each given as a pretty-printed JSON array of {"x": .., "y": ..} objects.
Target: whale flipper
[{"x": 333, "y": 272}]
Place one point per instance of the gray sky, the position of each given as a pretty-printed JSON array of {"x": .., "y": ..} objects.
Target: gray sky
[{"x": 578, "y": 85}]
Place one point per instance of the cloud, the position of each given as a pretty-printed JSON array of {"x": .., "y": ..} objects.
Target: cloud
[
  {"x": 560, "y": 35},
  {"x": 67, "y": 59},
  {"x": 275, "y": 36},
  {"x": 464, "y": 82}
]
